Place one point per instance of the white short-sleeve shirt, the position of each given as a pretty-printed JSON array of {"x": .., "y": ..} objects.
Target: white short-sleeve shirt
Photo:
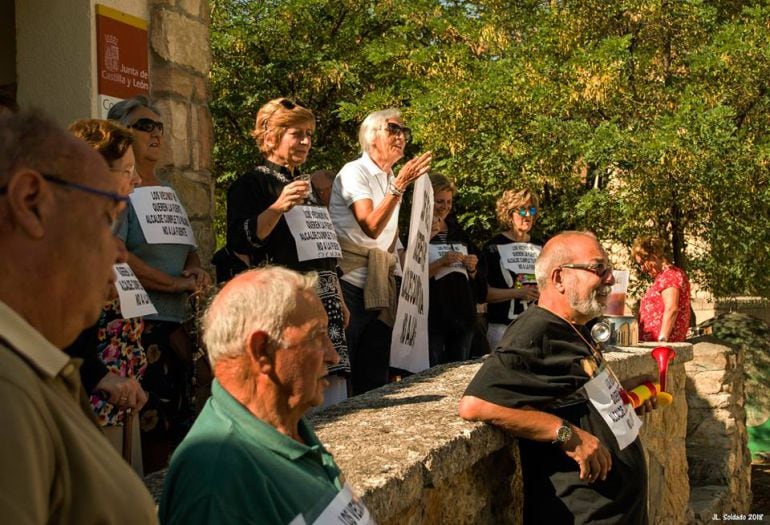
[{"x": 360, "y": 179}]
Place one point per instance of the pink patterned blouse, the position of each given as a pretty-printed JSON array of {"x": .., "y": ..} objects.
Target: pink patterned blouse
[{"x": 651, "y": 308}]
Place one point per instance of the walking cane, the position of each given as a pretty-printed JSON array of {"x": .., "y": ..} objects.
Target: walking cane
[{"x": 128, "y": 424}]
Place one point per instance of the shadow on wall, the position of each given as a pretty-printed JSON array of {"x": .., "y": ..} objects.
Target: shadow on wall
[
  {"x": 719, "y": 462},
  {"x": 752, "y": 335}
]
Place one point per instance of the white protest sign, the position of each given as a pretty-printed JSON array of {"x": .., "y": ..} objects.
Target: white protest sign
[
  {"x": 437, "y": 251},
  {"x": 134, "y": 301},
  {"x": 345, "y": 509},
  {"x": 161, "y": 215},
  {"x": 409, "y": 345},
  {"x": 604, "y": 393},
  {"x": 313, "y": 232},
  {"x": 519, "y": 257}
]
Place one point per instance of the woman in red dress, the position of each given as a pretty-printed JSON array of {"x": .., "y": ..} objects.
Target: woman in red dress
[{"x": 664, "y": 313}]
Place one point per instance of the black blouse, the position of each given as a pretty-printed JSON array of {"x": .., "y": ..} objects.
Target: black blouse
[
  {"x": 249, "y": 196},
  {"x": 453, "y": 298}
]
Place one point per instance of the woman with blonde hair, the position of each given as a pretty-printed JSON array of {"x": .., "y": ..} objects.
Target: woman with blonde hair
[
  {"x": 263, "y": 225},
  {"x": 457, "y": 282},
  {"x": 664, "y": 312},
  {"x": 510, "y": 258}
]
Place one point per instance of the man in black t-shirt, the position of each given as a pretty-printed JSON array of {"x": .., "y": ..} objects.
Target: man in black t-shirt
[{"x": 579, "y": 465}]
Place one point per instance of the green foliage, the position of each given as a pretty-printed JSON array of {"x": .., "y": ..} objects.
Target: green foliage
[
  {"x": 627, "y": 116},
  {"x": 753, "y": 336}
]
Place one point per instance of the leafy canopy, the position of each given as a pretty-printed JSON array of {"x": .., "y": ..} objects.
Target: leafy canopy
[{"x": 626, "y": 116}]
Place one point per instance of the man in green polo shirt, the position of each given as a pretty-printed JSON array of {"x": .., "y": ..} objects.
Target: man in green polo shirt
[{"x": 251, "y": 457}]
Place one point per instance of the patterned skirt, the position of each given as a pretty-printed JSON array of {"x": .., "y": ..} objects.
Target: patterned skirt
[{"x": 328, "y": 291}]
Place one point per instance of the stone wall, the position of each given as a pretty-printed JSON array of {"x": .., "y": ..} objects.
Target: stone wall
[
  {"x": 414, "y": 461},
  {"x": 180, "y": 60},
  {"x": 706, "y": 307},
  {"x": 717, "y": 452}
]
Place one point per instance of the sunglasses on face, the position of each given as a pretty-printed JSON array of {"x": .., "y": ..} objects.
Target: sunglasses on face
[
  {"x": 147, "y": 125},
  {"x": 532, "y": 211},
  {"x": 394, "y": 129},
  {"x": 601, "y": 270}
]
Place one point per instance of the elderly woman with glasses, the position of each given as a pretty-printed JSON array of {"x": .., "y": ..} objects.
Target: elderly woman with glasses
[
  {"x": 510, "y": 258},
  {"x": 457, "y": 283},
  {"x": 169, "y": 272},
  {"x": 366, "y": 196},
  {"x": 263, "y": 224},
  {"x": 664, "y": 312},
  {"x": 113, "y": 358}
]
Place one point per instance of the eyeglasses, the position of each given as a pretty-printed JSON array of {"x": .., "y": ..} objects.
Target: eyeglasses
[
  {"x": 532, "y": 211},
  {"x": 601, "y": 270},
  {"x": 116, "y": 198},
  {"x": 128, "y": 172},
  {"x": 147, "y": 125},
  {"x": 394, "y": 129}
]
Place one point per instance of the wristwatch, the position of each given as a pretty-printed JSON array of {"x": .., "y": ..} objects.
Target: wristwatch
[{"x": 563, "y": 433}]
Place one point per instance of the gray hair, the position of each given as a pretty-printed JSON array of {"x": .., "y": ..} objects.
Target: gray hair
[
  {"x": 123, "y": 109},
  {"x": 32, "y": 140},
  {"x": 555, "y": 253},
  {"x": 262, "y": 299},
  {"x": 373, "y": 122}
]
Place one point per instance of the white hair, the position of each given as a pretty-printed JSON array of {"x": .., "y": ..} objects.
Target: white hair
[
  {"x": 373, "y": 122},
  {"x": 262, "y": 299}
]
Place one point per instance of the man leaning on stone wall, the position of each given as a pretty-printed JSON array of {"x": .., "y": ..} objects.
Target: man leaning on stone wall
[{"x": 582, "y": 460}]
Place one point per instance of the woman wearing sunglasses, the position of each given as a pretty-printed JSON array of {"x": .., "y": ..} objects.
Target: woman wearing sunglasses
[
  {"x": 664, "y": 312},
  {"x": 510, "y": 258},
  {"x": 366, "y": 198},
  {"x": 267, "y": 210},
  {"x": 169, "y": 272}
]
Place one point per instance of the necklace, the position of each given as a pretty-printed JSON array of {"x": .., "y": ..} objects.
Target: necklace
[{"x": 595, "y": 352}]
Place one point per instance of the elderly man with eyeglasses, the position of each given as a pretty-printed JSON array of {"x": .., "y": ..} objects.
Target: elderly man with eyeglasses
[
  {"x": 365, "y": 200},
  {"x": 547, "y": 383},
  {"x": 59, "y": 203}
]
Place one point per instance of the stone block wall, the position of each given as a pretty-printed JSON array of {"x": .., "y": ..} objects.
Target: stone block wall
[
  {"x": 180, "y": 60},
  {"x": 706, "y": 307},
  {"x": 414, "y": 461},
  {"x": 717, "y": 451}
]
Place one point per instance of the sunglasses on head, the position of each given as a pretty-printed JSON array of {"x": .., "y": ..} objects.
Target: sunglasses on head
[
  {"x": 394, "y": 129},
  {"x": 286, "y": 104},
  {"x": 532, "y": 211},
  {"x": 147, "y": 125}
]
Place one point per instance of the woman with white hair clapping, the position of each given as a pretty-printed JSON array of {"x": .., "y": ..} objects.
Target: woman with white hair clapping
[{"x": 366, "y": 196}]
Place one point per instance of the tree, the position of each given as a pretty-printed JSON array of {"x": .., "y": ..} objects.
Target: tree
[{"x": 627, "y": 116}]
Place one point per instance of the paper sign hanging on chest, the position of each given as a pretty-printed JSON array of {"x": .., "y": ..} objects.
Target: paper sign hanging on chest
[
  {"x": 161, "y": 216},
  {"x": 519, "y": 257},
  {"x": 313, "y": 232},
  {"x": 134, "y": 301}
]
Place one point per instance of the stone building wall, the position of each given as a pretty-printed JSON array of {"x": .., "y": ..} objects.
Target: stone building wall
[
  {"x": 717, "y": 451},
  {"x": 180, "y": 60}
]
